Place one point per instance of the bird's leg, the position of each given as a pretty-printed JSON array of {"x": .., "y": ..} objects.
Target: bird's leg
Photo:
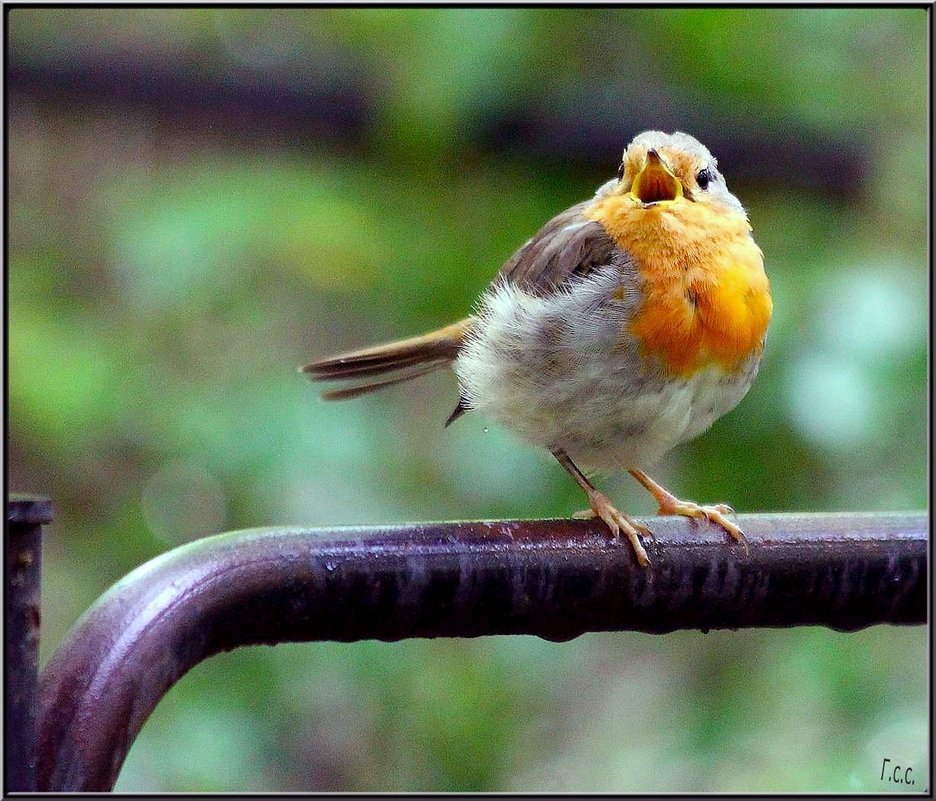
[
  {"x": 602, "y": 507},
  {"x": 671, "y": 505}
]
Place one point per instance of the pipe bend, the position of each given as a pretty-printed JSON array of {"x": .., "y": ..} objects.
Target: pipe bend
[{"x": 552, "y": 578}]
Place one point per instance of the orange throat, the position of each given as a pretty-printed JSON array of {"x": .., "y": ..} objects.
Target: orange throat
[{"x": 706, "y": 297}]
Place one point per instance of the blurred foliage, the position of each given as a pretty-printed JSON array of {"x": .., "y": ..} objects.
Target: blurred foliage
[{"x": 166, "y": 277}]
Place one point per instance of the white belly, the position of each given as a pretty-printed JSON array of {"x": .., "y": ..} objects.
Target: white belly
[{"x": 552, "y": 370}]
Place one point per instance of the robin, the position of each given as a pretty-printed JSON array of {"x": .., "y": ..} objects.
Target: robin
[{"x": 627, "y": 325}]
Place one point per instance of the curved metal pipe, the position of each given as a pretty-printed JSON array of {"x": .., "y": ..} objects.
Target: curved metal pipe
[{"x": 552, "y": 578}]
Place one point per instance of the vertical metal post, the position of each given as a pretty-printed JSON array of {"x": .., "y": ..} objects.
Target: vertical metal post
[{"x": 26, "y": 515}]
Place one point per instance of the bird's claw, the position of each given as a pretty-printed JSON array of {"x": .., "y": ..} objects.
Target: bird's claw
[
  {"x": 725, "y": 509},
  {"x": 618, "y": 523},
  {"x": 714, "y": 514}
]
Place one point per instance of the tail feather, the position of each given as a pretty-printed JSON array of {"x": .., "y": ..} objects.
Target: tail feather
[
  {"x": 345, "y": 370},
  {"x": 363, "y": 389},
  {"x": 399, "y": 361}
]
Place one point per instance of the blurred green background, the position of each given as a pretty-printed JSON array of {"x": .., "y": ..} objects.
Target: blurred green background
[{"x": 202, "y": 200}]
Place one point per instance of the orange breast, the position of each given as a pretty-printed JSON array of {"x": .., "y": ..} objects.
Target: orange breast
[{"x": 706, "y": 297}]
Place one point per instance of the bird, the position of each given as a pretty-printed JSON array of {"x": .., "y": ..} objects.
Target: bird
[{"x": 624, "y": 327}]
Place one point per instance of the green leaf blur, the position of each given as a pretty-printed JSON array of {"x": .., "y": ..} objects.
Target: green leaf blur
[{"x": 173, "y": 259}]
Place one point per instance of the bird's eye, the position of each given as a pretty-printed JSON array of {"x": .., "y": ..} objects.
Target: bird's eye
[
  {"x": 621, "y": 172},
  {"x": 704, "y": 178}
]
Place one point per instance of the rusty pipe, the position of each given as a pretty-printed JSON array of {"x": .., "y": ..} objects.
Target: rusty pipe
[
  {"x": 26, "y": 514},
  {"x": 552, "y": 578}
]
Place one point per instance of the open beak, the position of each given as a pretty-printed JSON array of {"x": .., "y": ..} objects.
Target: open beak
[{"x": 655, "y": 183}]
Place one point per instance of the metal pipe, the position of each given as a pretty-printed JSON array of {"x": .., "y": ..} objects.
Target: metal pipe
[
  {"x": 26, "y": 514},
  {"x": 552, "y": 578}
]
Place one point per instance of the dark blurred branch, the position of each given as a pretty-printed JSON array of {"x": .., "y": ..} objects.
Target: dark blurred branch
[
  {"x": 589, "y": 124},
  {"x": 585, "y": 126},
  {"x": 260, "y": 105},
  {"x": 552, "y": 578}
]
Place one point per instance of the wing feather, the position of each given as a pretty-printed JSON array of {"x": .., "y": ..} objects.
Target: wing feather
[{"x": 567, "y": 246}]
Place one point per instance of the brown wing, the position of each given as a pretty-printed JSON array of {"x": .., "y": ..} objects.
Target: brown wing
[{"x": 568, "y": 245}]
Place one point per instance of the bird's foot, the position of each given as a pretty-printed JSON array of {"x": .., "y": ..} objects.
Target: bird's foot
[
  {"x": 671, "y": 505},
  {"x": 618, "y": 523},
  {"x": 715, "y": 514}
]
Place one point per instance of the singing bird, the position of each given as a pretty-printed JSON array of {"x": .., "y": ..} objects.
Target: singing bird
[{"x": 627, "y": 325}]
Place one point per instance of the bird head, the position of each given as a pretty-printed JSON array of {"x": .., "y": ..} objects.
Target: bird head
[{"x": 660, "y": 169}]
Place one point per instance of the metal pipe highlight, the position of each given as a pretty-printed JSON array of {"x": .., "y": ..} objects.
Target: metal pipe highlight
[{"x": 553, "y": 578}]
